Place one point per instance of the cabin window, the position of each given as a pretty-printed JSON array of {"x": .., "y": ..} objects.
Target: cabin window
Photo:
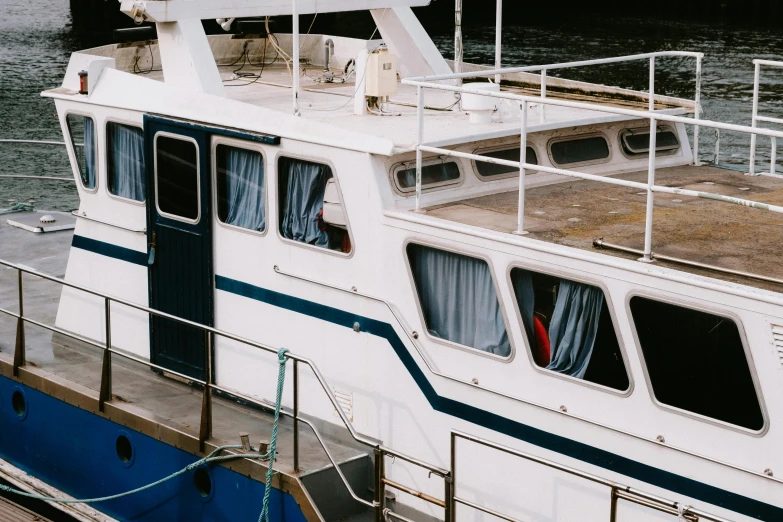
[
  {"x": 696, "y": 362},
  {"x": 84, "y": 142},
  {"x": 458, "y": 299},
  {"x": 433, "y": 174},
  {"x": 176, "y": 177},
  {"x": 487, "y": 170},
  {"x": 569, "y": 328},
  {"x": 636, "y": 142},
  {"x": 579, "y": 150},
  {"x": 125, "y": 161},
  {"x": 301, "y": 188},
  {"x": 241, "y": 192}
]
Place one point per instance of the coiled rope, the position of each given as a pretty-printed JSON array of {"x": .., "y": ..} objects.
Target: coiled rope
[
  {"x": 212, "y": 457},
  {"x": 17, "y": 207}
]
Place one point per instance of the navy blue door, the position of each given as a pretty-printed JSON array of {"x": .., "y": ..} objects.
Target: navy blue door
[{"x": 180, "y": 242}]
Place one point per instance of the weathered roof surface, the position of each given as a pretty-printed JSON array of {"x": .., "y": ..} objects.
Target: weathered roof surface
[
  {"x": 577, "y": 212},
  {"x": 11, "y": 512}
]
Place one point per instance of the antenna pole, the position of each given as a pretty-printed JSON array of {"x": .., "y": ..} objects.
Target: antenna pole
[{"x": 295, "y": 54}]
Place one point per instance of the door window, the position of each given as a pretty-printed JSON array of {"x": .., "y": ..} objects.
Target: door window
[{"x": 176, "y": 177}]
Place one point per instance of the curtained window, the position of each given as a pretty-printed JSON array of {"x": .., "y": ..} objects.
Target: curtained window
[
  {"x": 84, "y": 141},
  {"x": 458, "y": 299},
  {"x": 301, "y": 187},
  {"x": 569, "y": 328},
  {"x": 696, "y": 362},
  {"x": 125, "y": 161},
  {"x": 241, "y": 189}
]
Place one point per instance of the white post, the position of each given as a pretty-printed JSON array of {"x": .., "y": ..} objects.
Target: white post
[
  {"x": 754, "y": 114},
  {"x": 647, "y": 257},
  {"x": 458, "y": 38},
  {"x": 359, "y": 99},
  {"x": 774, "y": 155},
  {"x": 498, "y": 37},
  {"x": 543, "y": 95},
  {"x": 419, "y": 140},
  {"x": 652, "y": 84},
  {"x": 295, "y": 55},
  {"x": 716, "y": 160},
  {"x": 697, "y": 112},
  {"x": 522, "y": 160}
]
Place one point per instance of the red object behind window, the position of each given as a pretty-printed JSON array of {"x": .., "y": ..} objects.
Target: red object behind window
[{"x": 541, "y": 353}]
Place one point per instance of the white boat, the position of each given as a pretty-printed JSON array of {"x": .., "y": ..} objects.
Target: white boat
[{"x": 578, "y": 332}]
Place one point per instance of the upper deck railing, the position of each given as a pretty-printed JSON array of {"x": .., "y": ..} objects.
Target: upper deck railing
[
  {"x": 756, "y": 118},
  {"x": 432, "y": 82}
]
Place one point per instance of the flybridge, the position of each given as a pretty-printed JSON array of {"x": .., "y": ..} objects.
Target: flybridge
[{"x": 176, "y": 10}]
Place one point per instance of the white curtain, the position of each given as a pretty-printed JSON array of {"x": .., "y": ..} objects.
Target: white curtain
[
  {"x": 126, "y": 157},
  {"x": 245, "y": 189},
  {"x": 458, "y": 299},
  {"x": 302, "y": 184},
  {"x": 574, "y": 326}
]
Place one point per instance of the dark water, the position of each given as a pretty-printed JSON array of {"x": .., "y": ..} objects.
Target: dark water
[{"x": 37, "y": 37}]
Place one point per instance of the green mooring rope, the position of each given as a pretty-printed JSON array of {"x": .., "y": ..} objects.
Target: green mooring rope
[
  {"x": 212, "y": 457},
  {"x": 17, "y": 207}
]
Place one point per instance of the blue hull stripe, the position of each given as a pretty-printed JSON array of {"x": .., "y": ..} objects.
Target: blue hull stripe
[
  {"x": 565, "y": 446},
  {"x": 556, "y": 443},
  {"x": 109, "y": 250}
]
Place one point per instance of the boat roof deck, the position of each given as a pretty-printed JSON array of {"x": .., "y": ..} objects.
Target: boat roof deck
[{"x": 577, "y": 212}]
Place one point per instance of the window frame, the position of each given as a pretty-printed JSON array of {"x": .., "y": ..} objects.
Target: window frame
[
  {"x": 573, "y": 137},
  {"x": 198, "y": 176},
  {"x": 278, "y": 220},
  {"x": 238, "y": 144},
  {"x": 645, "y": 155},
  {"x": 612, "y": 314},
  {"x": 72, "y": 148},
  {"x": 425, "y": 162},
  {"x": 699, "y": 307},
  {"x": 445, "y": 342},
  {"x": 127, "y": 123},
  {"x": 484, "y": 150}
]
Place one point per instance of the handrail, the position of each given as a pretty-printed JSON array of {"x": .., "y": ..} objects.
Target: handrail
[
  {"x": 755, "y": 118},
  {"x": 205, "y": 429},
  {"x": 84, "y": 215},
  {"x": 404, "y": 326},
  {"x": 618, "y": 491}
]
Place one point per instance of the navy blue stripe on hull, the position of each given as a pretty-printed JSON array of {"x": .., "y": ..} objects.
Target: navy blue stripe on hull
[
  {"x": 565, "y": 446},
  {"x": 109, "y": 250}
]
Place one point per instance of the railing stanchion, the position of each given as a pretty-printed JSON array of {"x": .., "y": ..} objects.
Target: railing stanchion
[
  {"x": 753, "y": 116},
  {"x": 380, "y": 487},
  {"x": 647, "y": 257},
  {"x": 716, "y": 158},
  {"x": 697, "y": 112},
  {"x": 522, "y": 160},
  {"x": 104, "y": 395},
  {"x": 20, "y": 357},
  {"x": 613, "y": 506},
  {"x": 451, "y": 505},
  {"x": 419, "y": 140},
  {"x": 498, "y": 38},
  {"x": 773, "y": 157},
  {"x": 651, "y": 101},
  {"x": 296, "y": 416},
  {"x": 458, "y": 38},
  {"x": 542, "y": 112},
  {"x": 205, "y": 428}
]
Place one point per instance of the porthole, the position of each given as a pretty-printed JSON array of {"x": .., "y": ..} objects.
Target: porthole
[
  {"x": 124, "y": 449},
  {"x": 19, "y": 403},
  {"x": 202, "y": 480}
]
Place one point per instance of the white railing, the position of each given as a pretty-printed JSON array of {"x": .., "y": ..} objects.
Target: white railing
[
  {"x": 654, "y": 117},
  {"x": 498, "y": 72},
  {"x": 756, "y": 118}
]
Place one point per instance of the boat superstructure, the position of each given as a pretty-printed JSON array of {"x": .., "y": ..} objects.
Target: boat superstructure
[{"x": 496, "y": 302}]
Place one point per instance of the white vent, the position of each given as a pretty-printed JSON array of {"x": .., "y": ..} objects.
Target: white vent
[
  {"x": 345, "y": 400},
  {"x": 777, "y": 337}
]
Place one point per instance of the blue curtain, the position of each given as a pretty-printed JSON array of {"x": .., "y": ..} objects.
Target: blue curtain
[
  {"x": 245, "y": 188},
  {"x": 126, "y": 161},
  {"x": 88, "y": 176},
  {"x": 302, "y": 199},
  {"x": 573, "y": 327},
  {"x": 458, "y": 299},
  {"x": 522, "y": 281}
]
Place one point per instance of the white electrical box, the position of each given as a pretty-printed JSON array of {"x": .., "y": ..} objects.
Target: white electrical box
[{"x": 381, "y": 74}]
